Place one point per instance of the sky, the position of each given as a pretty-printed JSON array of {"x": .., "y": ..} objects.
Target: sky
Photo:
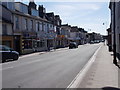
[{"x": 88, "y": 15}]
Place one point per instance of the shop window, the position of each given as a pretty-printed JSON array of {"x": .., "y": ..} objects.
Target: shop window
[
  {"x": 38, "y": 44},
  {"x": 41, "y": 44},
  {"x": 7, "y": 43},
  {"x": 34, "y": 44},
  {"x": 27, "y": 44}
]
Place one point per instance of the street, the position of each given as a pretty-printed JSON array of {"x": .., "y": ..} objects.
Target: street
[{"x": 54, "y": 69}]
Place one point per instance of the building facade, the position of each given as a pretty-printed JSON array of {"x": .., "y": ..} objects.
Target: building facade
[
  {"x": 6, "y": 37},
  {"x": 65, "y": 35},
  {"x": 83, "y": 36},
  {"x": 28, "y": 29},
  {"x": 115, "y": 26},
  {"x": 28, "y": 32},
  {"x": 75, "y": 35}
]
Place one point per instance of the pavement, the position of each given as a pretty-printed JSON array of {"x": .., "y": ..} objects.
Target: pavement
[{"x": 102, "y": 73}]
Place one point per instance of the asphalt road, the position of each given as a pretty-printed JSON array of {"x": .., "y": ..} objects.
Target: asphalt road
[{"x": 49, "y": 70}]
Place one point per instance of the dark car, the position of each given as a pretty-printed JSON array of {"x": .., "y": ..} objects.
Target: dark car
[
  {"x": 8, "y": 53},
  {"x": 96, "y": 41},
  {"x": 73, "y": 45},
  {"x": 91, "y": 42}
]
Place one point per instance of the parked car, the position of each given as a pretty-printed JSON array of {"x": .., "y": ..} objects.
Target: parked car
[
  {"x": 103, "y": 40},
  {"x": 8, "y": 53},
  {"x": 96, "y": 41},
  {"x": 91, "y": 42},
  {"x": 73, "y": 45}
]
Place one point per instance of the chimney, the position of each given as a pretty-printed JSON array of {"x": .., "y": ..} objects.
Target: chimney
[
  {"x": 41, "y": 10},
  {"x": 32, "y": 4}
]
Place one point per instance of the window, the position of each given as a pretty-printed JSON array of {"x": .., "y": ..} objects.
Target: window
[
  {"x": 44, "y": 26},
  {"x": 40, "y": 26},
  {"x": 17, "y": 22},
  {"x": 24, "y": 9},
  {"x": 36, "y": 26},
  {"x": 34, "y": 12},
  {"x": 27, "y": 44},
  {"x": 31, "y": 24},
  {"x": 25, "y": 23},
  {"x": 4, "y": 28},
  {"x": 6, "y": 49},
  {"x": 40, "y": 43},
  {"x": 10, "y": 5}
]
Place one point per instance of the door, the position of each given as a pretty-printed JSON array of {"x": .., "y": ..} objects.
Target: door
[{"x": 17, "y": 43}]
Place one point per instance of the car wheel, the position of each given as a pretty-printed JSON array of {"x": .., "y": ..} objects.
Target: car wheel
[
  {"x": 15, "y": 57},
  {"x": 3, "y": 60}
]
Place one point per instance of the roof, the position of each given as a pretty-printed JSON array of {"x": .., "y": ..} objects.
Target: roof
[
  {"x": 22, "y": 3},
  {"x": 27, "y": 15}
]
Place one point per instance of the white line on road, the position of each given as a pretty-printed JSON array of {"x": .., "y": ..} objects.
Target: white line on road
[
  {"x": 21, "y": 65},
  {"x": 78, "y": 79},
  {"x": 26, "y": 62},
  {"x": 6, "y": 68}
]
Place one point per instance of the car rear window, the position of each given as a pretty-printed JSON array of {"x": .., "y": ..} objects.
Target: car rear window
[{"x": 4, "y": 48}]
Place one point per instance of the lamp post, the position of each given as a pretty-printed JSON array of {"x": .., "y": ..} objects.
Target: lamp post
[
  {"x": 105, "y": 24},
  {"x": 88, "y": 37},
  {"x": 114, "y": 45}
]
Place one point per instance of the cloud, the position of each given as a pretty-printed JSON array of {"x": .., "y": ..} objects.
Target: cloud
[
  {"x": 74, "y": 11},
  {"x": 89, "y": 7},
  {"x": 84, "y": 14},
  {"x": 68, "y": 9},
  {"x": 77, "y": 7}
]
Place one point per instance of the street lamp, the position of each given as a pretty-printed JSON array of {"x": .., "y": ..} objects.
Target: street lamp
[{"x": 114, "y": 45}]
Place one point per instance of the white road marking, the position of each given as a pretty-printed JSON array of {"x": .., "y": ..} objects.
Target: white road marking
[
  {"x": 20, "y": 65},
  {"x": 6, "y": 68},
  {"x": 23, "y": 63}
]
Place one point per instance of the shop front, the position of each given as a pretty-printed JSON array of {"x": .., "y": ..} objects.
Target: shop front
[
  {"x": 41, "y": 44},
  {"x": 61, "y": 41},
  {"x": 7, "y": 40},
  {"x": 28, "y": 43}
]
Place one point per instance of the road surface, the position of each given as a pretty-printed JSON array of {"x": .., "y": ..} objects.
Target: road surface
[{"x": 54, "y": 69}]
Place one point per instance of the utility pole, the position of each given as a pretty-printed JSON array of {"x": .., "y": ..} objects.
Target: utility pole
[{"x": 114, "y": 45}]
